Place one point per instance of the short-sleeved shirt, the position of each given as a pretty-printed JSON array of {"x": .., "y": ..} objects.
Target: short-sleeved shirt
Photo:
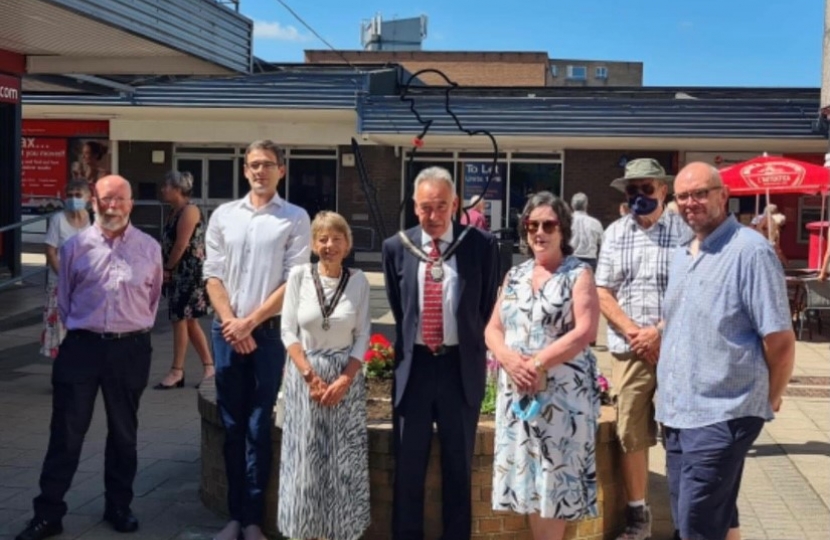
[
  {"x": 586, "y": 236},
  {"x": 634, "y": 264},
  {"x": 58, "y": 232},
  {"x": 719, "y": 306}
]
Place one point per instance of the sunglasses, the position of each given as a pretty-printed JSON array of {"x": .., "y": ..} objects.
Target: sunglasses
[
  {"x": 633, "y": 189},
  {"x": 548, "y": 225}
]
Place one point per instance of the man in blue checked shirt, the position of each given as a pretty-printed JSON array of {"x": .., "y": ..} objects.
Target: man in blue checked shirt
[{"x": 726, "y": 357}]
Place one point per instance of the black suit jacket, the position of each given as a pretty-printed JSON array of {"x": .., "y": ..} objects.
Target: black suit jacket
[{"x": 477, "y": 263}]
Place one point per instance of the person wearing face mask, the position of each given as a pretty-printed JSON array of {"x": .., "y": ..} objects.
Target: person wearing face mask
[
  {"x": 632, "y": 275},
  {"x": 62, "y": 226}
]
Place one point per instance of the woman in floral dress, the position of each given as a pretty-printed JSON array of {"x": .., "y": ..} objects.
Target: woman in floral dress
[
  {"x": 183, "y": 251},
  {"x": 62, "y": 226},
  {"x": 548, "y": 399}
]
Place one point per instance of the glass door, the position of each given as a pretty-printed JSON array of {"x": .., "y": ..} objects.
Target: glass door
[{"x": 312, "y": 184}]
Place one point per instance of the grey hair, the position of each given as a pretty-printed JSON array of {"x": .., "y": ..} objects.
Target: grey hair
[
  {"x": 433, "y": 173},
  {"x": 579, "y": 202},
  {"x": 78, "y": 185},
  {"x": 182, "y": 181},
  {"x": 474, "y": 200}
]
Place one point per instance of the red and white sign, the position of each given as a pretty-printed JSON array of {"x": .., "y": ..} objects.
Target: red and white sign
[
  {"x": 9, "y": 89},
  {"x": 66, "y": 128},
  {"x": 44, "y": 175}
]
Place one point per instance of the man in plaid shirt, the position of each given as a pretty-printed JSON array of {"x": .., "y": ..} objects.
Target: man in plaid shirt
[{"x": 632, "y": 275}]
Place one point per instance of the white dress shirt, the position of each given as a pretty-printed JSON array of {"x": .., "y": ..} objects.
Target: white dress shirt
[
  {"x": 449, "y": 288},
  {"x": 252, "y": 250}
]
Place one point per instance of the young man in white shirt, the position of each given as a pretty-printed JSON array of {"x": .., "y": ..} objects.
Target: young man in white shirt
[{"x": 252, "y": 245}]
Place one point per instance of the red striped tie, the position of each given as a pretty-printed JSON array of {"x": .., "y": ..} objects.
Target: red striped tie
[{"x": 432, "y": 319}]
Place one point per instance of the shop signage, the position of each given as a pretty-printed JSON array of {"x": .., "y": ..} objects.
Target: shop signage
[
  {"x": 475, "y": 178},
  {"x": 9, "y": 89}
]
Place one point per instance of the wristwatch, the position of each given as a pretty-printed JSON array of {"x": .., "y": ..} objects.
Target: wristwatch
[{"x": 538, "y": 364}]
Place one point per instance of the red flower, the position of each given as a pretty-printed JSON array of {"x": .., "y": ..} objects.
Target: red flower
[
  {"x": 372, "y": 355},
  {"x": 379, "y": 339}
]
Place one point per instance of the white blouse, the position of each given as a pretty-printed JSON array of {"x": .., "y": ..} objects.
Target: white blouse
[{"x": 302, "y": 318}]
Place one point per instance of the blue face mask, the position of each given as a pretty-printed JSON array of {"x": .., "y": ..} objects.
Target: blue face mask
[
  {"x": 642, "y": 205},
  {"x": 526, "y": 409},
  {"x": 75, "y": 204}
]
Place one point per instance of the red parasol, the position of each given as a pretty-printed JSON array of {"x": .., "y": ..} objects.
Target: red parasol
[
  {"x": 766, "y": 175},
  {"x": 775, "y": 174}
]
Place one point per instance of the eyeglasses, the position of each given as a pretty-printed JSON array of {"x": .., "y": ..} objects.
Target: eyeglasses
[
  {"x": 698, "y": 195},
  {"x": 257, "y": 165},
  {"x": 646, "y": 189},
  {"x": 109, "y": 200},
  {"x": 548, "y": 225}
]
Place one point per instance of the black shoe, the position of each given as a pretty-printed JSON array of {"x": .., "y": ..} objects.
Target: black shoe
[
  {"x": 177, "y": 384},
  {"x": 38, "y": 529},
  {"x": 121, "y": 520}
]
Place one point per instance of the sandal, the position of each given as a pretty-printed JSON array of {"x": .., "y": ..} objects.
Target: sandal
[{"x": 177, "y": 384}]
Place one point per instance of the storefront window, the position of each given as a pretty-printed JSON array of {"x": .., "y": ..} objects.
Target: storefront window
[
  {"x": 524, "y": 180},
  {"x": 312, "y": 184}
]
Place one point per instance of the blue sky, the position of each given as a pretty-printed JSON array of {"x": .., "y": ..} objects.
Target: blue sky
[{"x": 680, "y": 42}]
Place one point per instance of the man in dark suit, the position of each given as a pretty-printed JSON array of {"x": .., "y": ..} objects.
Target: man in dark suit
[{"x": 441, "y": 281}]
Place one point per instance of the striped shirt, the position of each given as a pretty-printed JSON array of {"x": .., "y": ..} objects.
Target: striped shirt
[
  {"x": 449, "y": 288},
  {"x": 634, "y": 265},
  {"x": 718, "y": 308}
]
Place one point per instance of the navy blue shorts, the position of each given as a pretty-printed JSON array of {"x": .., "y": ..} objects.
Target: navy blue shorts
[{"x": 704, "y": 467}]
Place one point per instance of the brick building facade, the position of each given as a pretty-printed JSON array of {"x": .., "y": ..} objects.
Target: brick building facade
[{"x": 494, "y": 69}]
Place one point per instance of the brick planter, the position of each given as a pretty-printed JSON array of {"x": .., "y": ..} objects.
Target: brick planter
[{"x": 487, "y": 524}]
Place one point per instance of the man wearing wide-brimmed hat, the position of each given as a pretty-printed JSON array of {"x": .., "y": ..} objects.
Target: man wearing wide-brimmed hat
[{"x": 632, "y": 275}]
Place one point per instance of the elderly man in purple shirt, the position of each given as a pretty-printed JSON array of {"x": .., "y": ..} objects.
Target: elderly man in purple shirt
[{"x": 109, "y": 289}]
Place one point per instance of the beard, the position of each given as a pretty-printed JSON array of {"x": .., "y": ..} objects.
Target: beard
[{"x": 112, "y": 221}]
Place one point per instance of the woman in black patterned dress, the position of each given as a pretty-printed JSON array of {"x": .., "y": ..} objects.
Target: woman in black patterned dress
[{"x": 183, "y": 250}]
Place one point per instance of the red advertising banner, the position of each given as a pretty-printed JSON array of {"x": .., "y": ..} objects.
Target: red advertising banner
[
  {"x": 66, "y": 128},
  {"x": 9, "y": 89},
  {"x": 55, "y": 151},
  {"x": 44, "y": 170}
]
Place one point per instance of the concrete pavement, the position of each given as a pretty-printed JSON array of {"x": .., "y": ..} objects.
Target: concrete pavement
[{"x": 785, "y": 493}]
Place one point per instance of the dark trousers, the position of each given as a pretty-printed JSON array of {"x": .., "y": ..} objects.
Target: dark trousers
[
  {"x": 433, "y": 393},
  {"x": 246, "y": 390},
  {"x": 85, "y": 363}
]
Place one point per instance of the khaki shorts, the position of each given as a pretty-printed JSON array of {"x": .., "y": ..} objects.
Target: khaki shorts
[{"x": 633, "y": 382}]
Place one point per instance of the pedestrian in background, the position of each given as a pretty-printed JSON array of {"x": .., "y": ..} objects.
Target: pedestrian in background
[{"x": 63, "y": 225}]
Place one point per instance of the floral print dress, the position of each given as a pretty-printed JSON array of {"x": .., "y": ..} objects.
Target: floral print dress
[
  {"x": 547, "y": 464},
  {"x": 186, "y": 295}
]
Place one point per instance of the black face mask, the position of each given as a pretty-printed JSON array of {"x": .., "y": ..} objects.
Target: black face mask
[{"x": 642, "y": 205}]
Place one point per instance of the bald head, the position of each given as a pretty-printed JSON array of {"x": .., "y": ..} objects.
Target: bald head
[
  {"x": 701, "y": 197},
  {"x": 115, "y": 182},
  {"x": 697, "y": 170},
  {"x": 113, "y": 203}
]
